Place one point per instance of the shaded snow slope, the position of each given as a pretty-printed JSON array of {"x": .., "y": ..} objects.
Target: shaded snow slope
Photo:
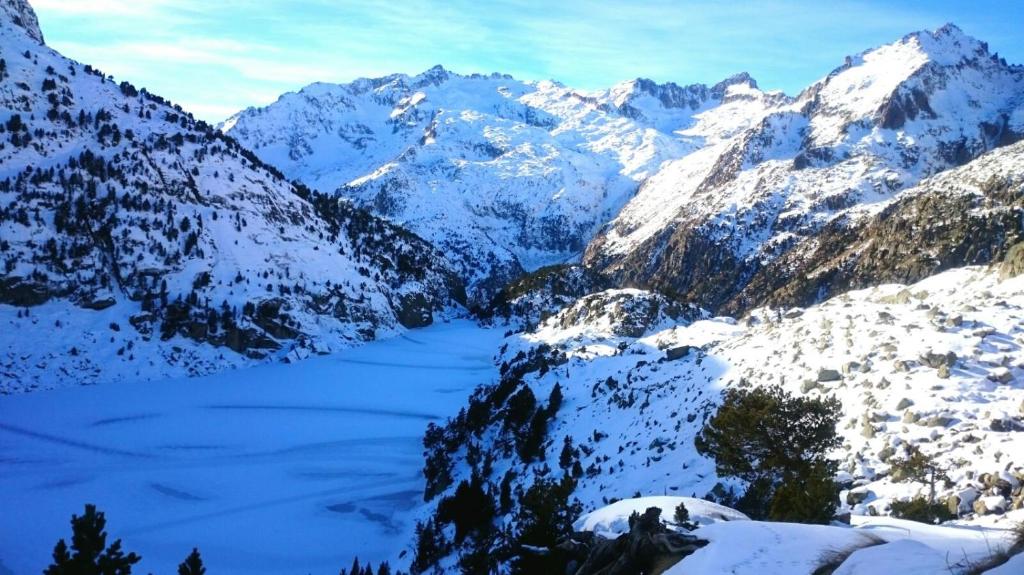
[{"x": 270, "y": 469}]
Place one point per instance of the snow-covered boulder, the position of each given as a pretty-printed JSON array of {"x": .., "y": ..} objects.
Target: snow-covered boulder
[{"x": 612, "y": 520}]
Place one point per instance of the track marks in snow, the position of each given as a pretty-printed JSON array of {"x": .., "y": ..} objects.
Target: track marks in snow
[
  {"x": 175, "y": 493},
  {"x": 440, "y": 367},
  {"x": 124, "y": 419},
  {"x": 330, "y": 409},
  {"x": 71, "y": 442}
]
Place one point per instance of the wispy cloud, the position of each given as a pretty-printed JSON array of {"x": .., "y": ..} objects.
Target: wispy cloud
[{"x": 217, "y": 55}]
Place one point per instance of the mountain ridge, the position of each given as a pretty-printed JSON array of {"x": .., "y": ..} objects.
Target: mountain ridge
[{"x": 157, "y": 246}]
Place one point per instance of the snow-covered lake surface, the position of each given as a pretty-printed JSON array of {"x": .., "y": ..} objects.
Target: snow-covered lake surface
[{"x": 281, "y": 468}]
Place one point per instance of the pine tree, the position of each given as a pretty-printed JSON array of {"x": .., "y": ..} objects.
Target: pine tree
[
  {"x": 555, "y": 400},
  {"x": 546, "y": 512},
  {"x": 568, "y": 454},
  {"x": 91, "y": 555},
  {"x": 782, "y": 456},
  {"x": 193, "y": 564}
]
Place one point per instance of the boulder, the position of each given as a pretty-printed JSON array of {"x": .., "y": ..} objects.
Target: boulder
[
  {"x": 953, "y": 504},
  {"x": 937, "y": 360},
  {"x": 858, "y": 496},
  {"x": 904, "y": 403},
  {"x": 990, "y": 504},
  {"x": 827, "y": 375},
  {"x": 1013, "y": 262},
  {"x": 1004, "y": 425},
  {"x": 675, "y": 353},
  {"x": 939, "y": 421},
  {"x": 98, "y": 303},
  {"x": 1000, "y": 375}
]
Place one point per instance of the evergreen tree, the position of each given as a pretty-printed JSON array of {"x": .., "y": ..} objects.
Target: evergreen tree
[
  {"x": 431, "y": 545},
  {"x": 777, "y": 443},
  {"x": 555, "y": 400},
  {"x": 568, "y": 454},
  {"x": 545, "y": 515},
  {"x": 193, "y": 564},
  {"x": 918, "y": 467},
  {"x": 682, "y": 517},
  {"x": 91, "y": 555}
]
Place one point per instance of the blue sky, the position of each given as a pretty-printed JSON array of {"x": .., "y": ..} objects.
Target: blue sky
[{"x": 217, "y": 56}]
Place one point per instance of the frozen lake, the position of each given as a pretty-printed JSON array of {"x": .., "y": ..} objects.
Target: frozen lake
[{"x": 281, "y": 468}]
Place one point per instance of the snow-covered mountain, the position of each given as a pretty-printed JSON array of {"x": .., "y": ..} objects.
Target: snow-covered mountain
[
  {"x": 503, "y": 175},
  {"x": 140, "y": 243},
  {"x": 621, "y": 386},
  {"x": 707, "y": 226}
]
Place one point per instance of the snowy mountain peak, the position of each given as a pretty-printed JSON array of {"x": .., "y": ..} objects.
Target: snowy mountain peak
[
  {"x": 434, "y": 76},
  {"x": 21, "y": 14},
  {"x": 742, "y": 79},
  {"x": 948, "y": 45},
  {"x": 671, "y": 95},
  {"x": 939, "y": 77}
]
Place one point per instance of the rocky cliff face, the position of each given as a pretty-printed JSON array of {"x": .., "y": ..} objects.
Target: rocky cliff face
[
  {"x": 153, "y": 245},
  {"x": 20, "y": 13}
]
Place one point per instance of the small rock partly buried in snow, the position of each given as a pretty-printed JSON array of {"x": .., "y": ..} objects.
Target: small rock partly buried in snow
[
  {"x": 939, "y": 421},
  {"x": 1000, "y": 375},
  {"x": 990, "y": 504}
]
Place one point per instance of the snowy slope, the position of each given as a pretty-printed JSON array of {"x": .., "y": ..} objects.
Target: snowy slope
[
  {"x": 869, "y": 546},
  {"x": 139, "y": 243},
  {"x": 503, "y": 174},
  {"x": 937, "y": 365},
  {"x": 881, "y": 545},
  {"x": 705, "y": 224}
]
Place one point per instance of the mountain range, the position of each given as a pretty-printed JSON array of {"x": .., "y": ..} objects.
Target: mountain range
[{"x": 703, "y": 192}]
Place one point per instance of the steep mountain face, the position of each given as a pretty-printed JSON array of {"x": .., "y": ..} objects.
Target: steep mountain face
[
  {"x": 705, "y": 226},
  {"x": 20, "y": 13},
  {"x": 969, "y": 215},
  {"x": 612, "y": 391},
  {"x": 139, "y": 243},
  {"x": 503, "y": 175}
]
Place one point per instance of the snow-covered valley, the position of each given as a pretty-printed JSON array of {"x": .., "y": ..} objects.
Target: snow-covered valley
[
  {"x": 272, "y": 469},
  {"x": 471, "y": 324}
]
